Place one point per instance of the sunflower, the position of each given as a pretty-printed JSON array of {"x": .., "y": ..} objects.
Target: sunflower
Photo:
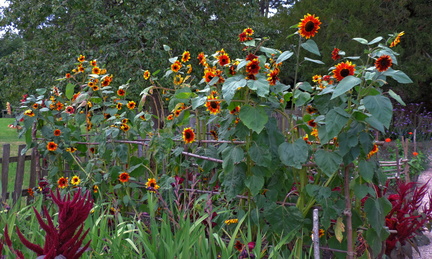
[
  {"x": 383, "y": 63},
  {"x": 316, "y": 78},
  {"x": 125, "y": 120},
  {"x": 231, "y": 221},
  {"x": 212, "y": 105},
  {"x": 309, "y": 26},
  {"x": 81, "y": 68},
  {"x": 131, "y": 105},
  {"x": 253, "y": 67},
  {"x": 188, "y": 135},
  {"x": 396, "y": 41},
  {"x": 103, "y": 71},
  {"x": 273, "y": 76},
  {"x": 202, "y": 59},
  {"x": 374, "y": 150},
  {"x": 29, "y": 113},
  {"x": 310, "y": 109},
  {"x": 312, "y": 123},
  {"x": 124, "y": 127},
  {"x": 124, "y": 177},
  {"x": 52, "y": 146},
  {"x": 96, "y": 70},
  {"x": 185, "y": 56},
  {"x": 170, "y": 117},
  {"x": 62, "y": 182},
  {"x": 81, "y": 58},
  {"x": 251, "y": 57},
  {"x": 68, "y": 75},
  {"x": 335, "y": 54},
  {"x": 93, "y": 63},
  {"x": 233, "y": 69},
  {"x": 242, "y": 37},
  {"x": 248, "y": 31},
  {"x": 189, "y": 67},
  {"x": 238, "y": 246},
  {"x": 95, "y": 87},
  {"x": 235, "y": 111},
  {"x": 224, "y": 59},
  {"x": 152, "y": 184},
  {"x": 178, "y": 79},
  {"x": 57, "y": 132},
  {"x": 175, "y": 67},
  {"x": 121, "y": 92},
  {"x": 343, "y": 70},
  {"x": 30, "y": 192},
  {"x": 71, "y": 149},
  {"x": 59, "y": 106},
  {"x": 146, "y": 75},
  {"x": 209, "y": 75},
  {"x": 119, "y": 106},
  {"x": 95, "y": 188},
  {"x": 214, "y": 134},
  {"x": 70, "y": 110},
  {"x": 75, "y": 180}
]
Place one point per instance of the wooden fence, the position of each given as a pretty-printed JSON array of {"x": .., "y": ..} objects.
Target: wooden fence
[{"x": 20, "y": 161}]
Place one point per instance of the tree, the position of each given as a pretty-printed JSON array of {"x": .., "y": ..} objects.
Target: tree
[{"x": 127, "y": 36}]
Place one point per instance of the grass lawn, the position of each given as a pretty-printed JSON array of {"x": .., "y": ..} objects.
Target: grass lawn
[{"x": 10, "y": 136}]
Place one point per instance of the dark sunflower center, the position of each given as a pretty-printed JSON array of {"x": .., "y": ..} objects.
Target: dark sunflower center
[
  {"x": 214, "y": 105},
  {"x": 187, "y": 135},
  {"x": 152, "y": 185},
  {"x": 309, "y": 26},
  {"x": 385, "y": 62},
  {"x": 344, "y": 72}
]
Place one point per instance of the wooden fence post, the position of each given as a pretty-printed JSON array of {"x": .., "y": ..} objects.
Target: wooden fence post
[
  {"x": 19, "y": 177},
  {"x": 5, "y": 171}
]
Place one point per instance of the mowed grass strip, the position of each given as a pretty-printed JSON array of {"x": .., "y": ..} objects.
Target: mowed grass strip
[{"x": 10, "y": 136}]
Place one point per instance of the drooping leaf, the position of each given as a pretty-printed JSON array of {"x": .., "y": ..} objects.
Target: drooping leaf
[
  {"x": 69, "y": 90},
  {"x": 328, "y": 161},
  {"x": 398, "y": 75},
  {"x": 361, "y": 40},
  {"x": 254, "y": 118},
  {"x": 345, "y": 85},
  {"x": 380, "y": 107},
  {"x": 334, "y": 122},
  {"x": 396, "y": 97},
  {"x": 339, "y": 229},
  {"x": 284, "y": 56},
  {"x": 230, "y": 86},
  {"x": 314, "y": 60},
  {"x": 311, "y": 46},
  {"x": 293, "y": 154}
]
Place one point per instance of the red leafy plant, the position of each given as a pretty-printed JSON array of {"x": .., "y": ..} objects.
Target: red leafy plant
[
  {"x": 408, "y": 216},
  {"x": 65, "y": 240}
]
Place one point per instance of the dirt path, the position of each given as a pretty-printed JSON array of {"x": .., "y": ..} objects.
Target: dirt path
[{"x": 425, "y": 251}]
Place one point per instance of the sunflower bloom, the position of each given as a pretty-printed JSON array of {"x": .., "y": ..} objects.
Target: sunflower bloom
[
  {"x": 185, "y": 56},
  {"x": 383, "y": 63},
  {"x": 178, "y": 79},
  {"x": 121, "y": 92},
  {"x": 253, "y": 67},
  {"x": 146, "y": 75},
  {"x": 273, "y": 76},
  {"x": 29, "y": 113},
  {"x": 71, "y": 149},
  {"x": 52, "y": 146},
  {"x": 343, "y": 70},
  {"x": 81, "y": 58},
  {"x": 70, "y": 110},
  {"x": 95, "y": 189},
  {"x": 248, "y": 31},
  {"x": 212, "y": 105},
  {"x": 75, "y": 180},
  {"x": 62, "y": 182},
  {"x": 119, "y": 106},
  {"x": 68, "y": 75},
  {"x": 175, "y": 67},
  {"x": 209, "y": 75},
  {"x": 131, "y": 105},
  {"x": 374, "y": 150},
  {"x": 224, "y": 59},
  {"x": 335, "y": 54},
  {"x": 170, "y": 117},
  {"x": 188, "y": 135},
  {"x": 312, "y": 123},
  {"x": 189, "y": 68},
  {"x": 57, "y": 132},
  {"x": 96, "y": 70},
  {"x": 235, "y": 111},
  {"x": 309, "y": 26},
  {"x": 93, "y": 63},
  {"x": 202, "y": 59},
  {"x": 231, "y": 221},
  {"x": 396, "y": 41},
  {"x": 124, "y": 127},
  {"x": 124, "y": 177},
  {"x": 151, "y": 185}
]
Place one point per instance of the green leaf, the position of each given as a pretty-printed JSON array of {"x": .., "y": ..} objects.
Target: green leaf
[
  {"x": 311, "y": 46},
  {"x": 335, "y": 121},
  {"x": 375, "y": 123},
  {"x": 376, "y": 210},
  {"x": 198, "y": 101},
  {"x": 122, "y": 152},
  {"x": 366, "y": 170},
  {"x": 254, "y": 183},
  {"x": 233, "y": 181},
  {"x": 380, "y": 107},
  {"x": 361, "y": 40},
  {"x": 314, "y": 60},
  {"x": 254, "y": 118},
  {"x": 269, "y": 50},
  {"x": 231, "y": 156},
  {"x": 69, "y": 90},
  {"x": 361, "y": 190},
  {"x": 166, "y": 47},
  {"x": 293, "y": 154},
  {"x": 398, "y": 75},
  {"x": 230, "y": 86},
  {"x": 396, "y": 97},
  {"x": 345, "y": 85},
  {"x": 377, "y": 39},
  {"x": 260, "y": 155},
  {"x": 284, "y": 56},
  {"x": 328, "y": 161},
  {"x": 301, "y": 98},
  {"x": 183, "y": 93},
  {"x": 261, "y": 86}
]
